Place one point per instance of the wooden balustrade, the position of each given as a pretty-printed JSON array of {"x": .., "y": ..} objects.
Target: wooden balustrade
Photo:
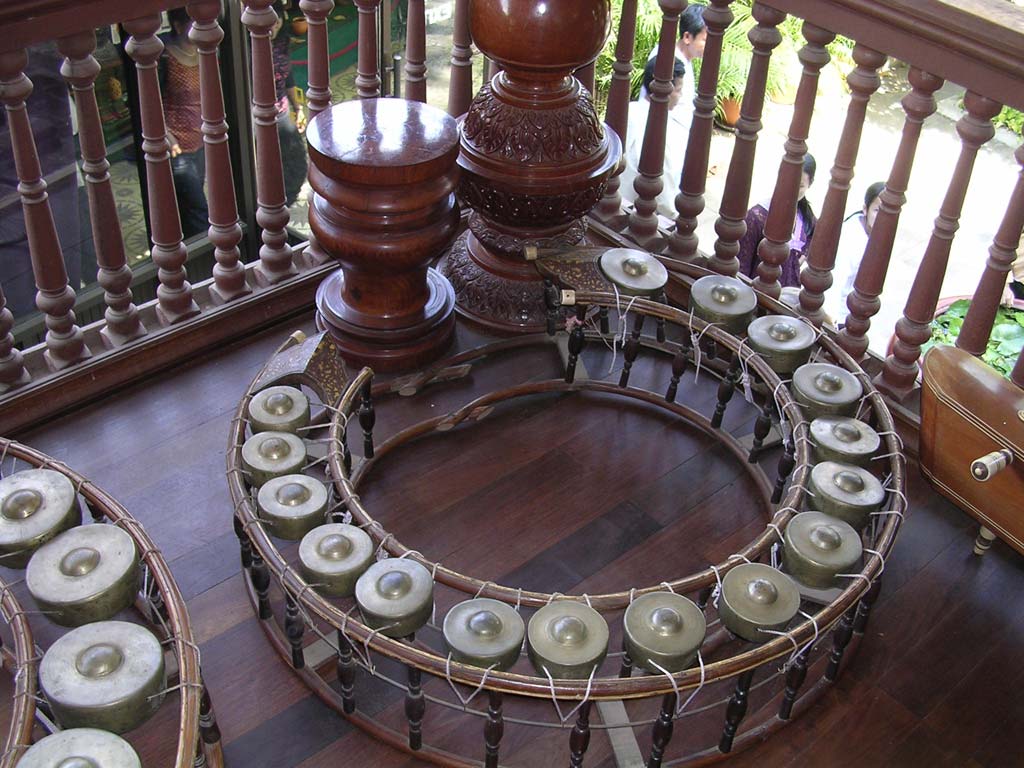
[
  {"x": 367, "y": 74},
  {"x": 12, "y": 365},
  {"x": 65, "y": 344},
  {"x": 416, "y": 53},
  {"x": 318, "y": 90},
  {"x": 460, "y": 86}
]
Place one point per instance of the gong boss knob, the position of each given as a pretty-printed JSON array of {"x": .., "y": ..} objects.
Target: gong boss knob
[
  {"x": 756, "y": 597},
  {"x": 783, "y": 341},
  {"x": 395, "y": 596},
  {"x": 108, "y": 675},
  {"x": 88, "y": 573},
  {"x": 568, "y": 639},
  {"x": 817, "y": 547},
  {"x": 267, "y": 455},
  {"x": 484, "y": 633},
  {"x": 292, "y": 505},
  {"x": 81, "y": 748},
  {"x": 663, "y": 629},
  {"x": 35, "y": 505},
  {"x": 333, "y": 556},
  {"x": 846, "y": 491},
  {"x": 824, "y": 389},
  {"x": 724, "y": 301},
  {"x": 278, "y": 409},
  {"x": 842, "y": 439}
]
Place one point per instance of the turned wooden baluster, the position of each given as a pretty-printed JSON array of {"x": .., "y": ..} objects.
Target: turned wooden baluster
[
  {"x": 631, "y": 349},
  {"x": 609, "y": 210},
  {"x": 367, "y": 417},
  {"x": 367, "y": 76},
  {"x": 982, "y": 313},
  {"x": 643, "y": 222},
  {"x": 841, "y": 636},
  {"x": 80, "y": 69},
  {"x": 65, "y": 344},
  {"x": 494, "y": 729},
  {"x": 860, "y": 619},
  {"x": 579, "y": 739},
  {"x": 626, "y": 666},
  {"x": 661, "y": 734},
  {"x": 260, "y": 575},
  {"x": 731, "y": 223},
  {"x": 863, "y": 301},
  {"x": 318, "y": 93},
  {"x": 12, "y": 365},
  {"x": 679, "y": 361},
  {"x": 816, "y": 277},
  {"x": 294, "y": 629},
  {"x": 346, "y": 674},
  {"x": 577, "y": 338},
  {"x": 795, "y": 676},
  {"x": 1017, "y": 374},
  {"x": 786, "y": 464},
  {"x": 773, "y": 250},
  {"x": 225, "y": 231},
  {"x": 415, "y": 706},
  {"x": 244, "y": 544},
  {"x": 682, "y": 243},
  {"x": 726, "y": 389},
  {"x": 416, "y": 53},
  {"x": 736, "y": 710},
  {"x": 762, "y": 426},
  {"x": 174, "y": 295},
  {"x": 460, "y": 86},
  {"x": 346, "y": 454},
  {"x": 209, "y": 731},
  {"x": 899, "y": 375},
  {"x": 272, "y": 215}
]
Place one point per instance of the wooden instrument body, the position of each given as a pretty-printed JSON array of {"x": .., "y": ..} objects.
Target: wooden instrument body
[{"x": 968, "y": 410}]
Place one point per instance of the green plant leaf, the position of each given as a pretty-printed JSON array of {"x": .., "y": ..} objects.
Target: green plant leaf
[{"x": 958, "y": 308}]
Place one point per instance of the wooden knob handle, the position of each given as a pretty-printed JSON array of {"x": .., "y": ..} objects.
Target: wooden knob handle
[{"x": 988, "y": 465}]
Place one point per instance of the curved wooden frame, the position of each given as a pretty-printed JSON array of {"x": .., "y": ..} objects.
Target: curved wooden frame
[{"x": 22, "y": 659}]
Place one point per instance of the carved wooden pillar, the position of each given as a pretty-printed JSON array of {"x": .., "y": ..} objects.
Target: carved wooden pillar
[
  {"x": 318, "y": 94},
  {"x": 863, "y": 301},
  {"x": 535, "y": 157},
  {"x": 416, "y": 53},
  {"x": 80, "y": 69},
  {"x": 367, "y": 76},
  {"x": 12, "y": 366},
  {"x": 272, "y": 215},
  {"x": 682, "y": 243},
  {"x": 773, "y": 250},
  {"x": 460, "y": 86},
  {"x": 914, "y": 328},
  {"x": 384, "y": 173},
  {"x": 816, "y": 277},
  {"x": 609, "y": 210},
  {"x": 982, "y": 313},
  {"x": 65, "y": 344},
  {"x": 731, "y": 224},
  {"x": 225, "y": 232},
  {"x": 175, "y": 293},
  {"x": 643, "y": 222}
]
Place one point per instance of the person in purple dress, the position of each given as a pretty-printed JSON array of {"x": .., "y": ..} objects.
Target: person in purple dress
[{"x": 799, "y": 242}]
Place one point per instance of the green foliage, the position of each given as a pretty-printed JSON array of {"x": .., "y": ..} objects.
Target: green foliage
[
  {"x": 1011, "y": 118},
  {"x": 1004, "y": 344}
]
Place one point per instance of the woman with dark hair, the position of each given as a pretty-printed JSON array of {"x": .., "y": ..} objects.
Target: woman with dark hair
[
  {"x": 800, "y": 240},
  {"x": 853, "y": 239}
]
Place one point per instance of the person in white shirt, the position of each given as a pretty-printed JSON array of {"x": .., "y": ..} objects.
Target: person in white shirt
[
  {"x": 853, "y": 239},
  {"x": 693, "y": 34}
]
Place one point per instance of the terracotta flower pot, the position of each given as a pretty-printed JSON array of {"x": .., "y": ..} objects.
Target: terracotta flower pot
[
  {"x": 731, "y": 111},
  {"x": 299, "y": 26}
]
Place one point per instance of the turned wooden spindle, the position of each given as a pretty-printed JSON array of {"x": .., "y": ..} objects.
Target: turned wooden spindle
[
  {"x": 577, "y": 339},
  {"x": 272, "y": 215},
  {"x": 367, "y": 416},
  {"x": 786, "y": 464},
  {"x": 460, "y": 86},
  {"x": 643, "y": 222},
  {"x": 631, "y": 349},
  {"x": 863, "y": 301},
  {"x": 244, "y": 544},
  {"x": 260, "y": 575},
  {"x": 795, "y": 676},
  {"x": 860, "y": 619},
  {"x": 736, "y": 710},
  {"x": 899, "y": 375},
  {"x": 1001, "y": 254},
  {"x": 551, "y": 301},
  {"x": 682, "y": 243},
  {"x": 579, "y": 739},
  {"x": 174, "y": 295},
  {"x": 816, "y": 277},
  {"x": 731, "y": 222},
  {"x": 659, "y": 322},
  {"x": 294, "y": 630},
  {"x": 65, "y": 344},
  {"x": 626, "y": 666},
  {"x": 762, "y": 426},
  {"x": 679, "y": 361},
  {"x": 318, "y": 92},
  {"x": 1017, "y": 374},
  {"x": 416, "y": 53},
  {"x": 494, "y": 729},
  {"x": 661, "y": 733},
  {"x": 841, "y": 636},
  {"x": 773, "y": 250},
  {"x": 12, "y": 365},
  {"x": 726, "y": 389},
  {"x": 225, "y": 231},
  {"x": 609, "y": 210},
  {"x": 346, "y": 454},
  {"x": 346, "y": 673},
  {"x": 80, "y": 69},
  {"x": 367, "y": 74},
  {"x": 415, "y": 706},
  {"x": 209, "y": 731}
]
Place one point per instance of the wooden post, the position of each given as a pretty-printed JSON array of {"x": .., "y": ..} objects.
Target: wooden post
[
  {"x": 579, "y": 739},
  {"x": 736, "y": 710},
  {"x": 731, "y": 223},
  {"x": 65, "y": 344},
  {"x": 416, "y": 53},
  {"x": 586, "y": 75},
  {"x": 460, "y": 86},
  {"x": 816, "y": 277},
  {"x": 494, "y": 729},
  {"x": 80, "y": 69},
  {"x": 275, "y": 253},
  {"x": 367, "y": 74},
  {"x": 318, "y": 93},
  {"x": 863, "y": 301},
  {"x": 1017, "y": 374},
  {"x": 225, "y": 231},
  {"x": 174, "y": 294},
  {"x": 773, "y": 250},
  {"x": 899, "y": 375},
  {"x": 12, "y": 366},
  {"x": 662, "y": 731}
]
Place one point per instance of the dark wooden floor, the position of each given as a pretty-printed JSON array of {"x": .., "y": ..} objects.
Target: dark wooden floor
[{"x": 568, "y": 493}]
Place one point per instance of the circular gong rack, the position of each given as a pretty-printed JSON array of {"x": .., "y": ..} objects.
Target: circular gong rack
[
  {"x": 817, "y": 646},
  {"x": 159, "y": 606}
]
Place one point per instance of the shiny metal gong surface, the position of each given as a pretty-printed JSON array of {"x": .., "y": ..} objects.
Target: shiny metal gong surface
[
  {"x": 757, "y": 597},
  {"x": 278, "y": 409},
  {"x": 81, "y": 748},
  {"x": 88, "y": 573},
  {"x": 484, "y": 633},
  {"x": 292, "y": 505},
  {"x": 108, "y": 675},
  {"x": 333, "y": 556},
  {"x": 846, "y": 491},
  {"x": 664, "y": 629},
  {"x": 824, "y": 389},
  {"x": 35, "y": 505},
  {"x": 817, "y": 547},
  {"x": 634, "y": 273},
  {"x": 842, "y": 439},
  {"x": 783, "y": 341},
  {"x": 395, "y": 596},
  {"x": 725, "y": 301},
  {"x": 568, "y": 639},
  {"x": 272, "y": 454}
]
